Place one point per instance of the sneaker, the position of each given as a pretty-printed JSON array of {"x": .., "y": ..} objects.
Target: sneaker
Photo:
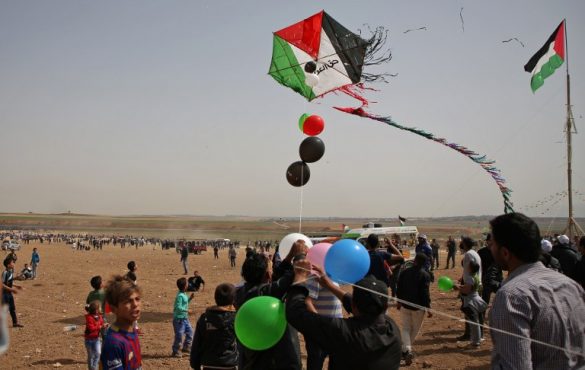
[
  {"x": 462, "y": 338},
  {"x": 18, "y": 326},
  {"x": 177, "y": 354},
  {"x": 186, "y": 350}
]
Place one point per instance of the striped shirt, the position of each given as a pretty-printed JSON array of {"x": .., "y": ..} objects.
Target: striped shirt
[
  {"x": 324, "y": 301},
  {"x": 544, "y": 305}
]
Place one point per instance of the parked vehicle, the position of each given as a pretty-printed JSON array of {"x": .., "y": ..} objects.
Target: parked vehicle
[
  {"x": 10, "y": 245},
  {"x": 404, "y": 237}
]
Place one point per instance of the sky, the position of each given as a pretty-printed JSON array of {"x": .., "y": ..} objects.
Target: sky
[{"x": 165, "y": 107}]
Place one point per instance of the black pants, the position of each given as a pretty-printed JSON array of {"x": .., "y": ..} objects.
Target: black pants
[
  {"x": 450, "y": 256},
  {"x": 315, "y": 355},
  {"x": 9, "y": 300},
  {"x": 436, "y": 259}
]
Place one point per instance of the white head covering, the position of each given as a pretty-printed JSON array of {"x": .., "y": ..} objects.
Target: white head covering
[{"x": 546, "y": 246}]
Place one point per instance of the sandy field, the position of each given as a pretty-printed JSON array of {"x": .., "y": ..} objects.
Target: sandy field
[{"x": 56, "y": 299}]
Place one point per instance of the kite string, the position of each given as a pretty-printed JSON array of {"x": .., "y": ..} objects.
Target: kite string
[{"x": 440, "y": 313}]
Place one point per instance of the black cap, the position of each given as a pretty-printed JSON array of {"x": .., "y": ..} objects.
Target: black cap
[{"x": 368, "y": 302}]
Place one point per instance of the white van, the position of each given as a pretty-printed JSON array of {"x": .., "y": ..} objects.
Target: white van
[{"x": 406, "y": 236}]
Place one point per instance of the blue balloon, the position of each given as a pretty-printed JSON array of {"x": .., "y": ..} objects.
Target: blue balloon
[{"x": 347, "y": 261}]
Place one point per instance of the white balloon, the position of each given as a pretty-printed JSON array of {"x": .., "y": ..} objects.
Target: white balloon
[
  {"x": 312, "y": 80},
  {"x": 287, "y": 242}
]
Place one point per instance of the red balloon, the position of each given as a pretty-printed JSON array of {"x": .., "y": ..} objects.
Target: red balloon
[{"x": 313, "y": 125}]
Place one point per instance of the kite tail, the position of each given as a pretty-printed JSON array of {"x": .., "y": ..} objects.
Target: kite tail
[
  {"x": 376, "y": 54},
  {"x": 486, "y": 164}
]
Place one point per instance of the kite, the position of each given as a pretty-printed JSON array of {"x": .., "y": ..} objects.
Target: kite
[
  {"x": 318, "y": 55},
  {"x": 514, "y": 39},
  {"x": 415, "y": 29}
]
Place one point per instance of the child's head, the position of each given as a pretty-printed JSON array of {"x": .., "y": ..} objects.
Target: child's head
[
  {"x": 473, "y": 267},
  {"x": 9, "y": 262},
  {"x": 96, "y": 282},
  {"x": 255, "y": 268},
  {"x": 132, "y": 266},
  {"x": 93, "y": 307},
  {"x": 225, "y": 294},
  {"x": 124, "y": 298},
  {"x": 182, "y": 284}
]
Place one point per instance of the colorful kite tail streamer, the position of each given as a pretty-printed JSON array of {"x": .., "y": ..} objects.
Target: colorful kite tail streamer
[{"x": 486, "y": 164}]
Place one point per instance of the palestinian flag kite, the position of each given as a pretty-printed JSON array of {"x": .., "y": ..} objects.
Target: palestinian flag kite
[
  {"x": 317, "y": 55},
  {"x": 550, "y": 57}
]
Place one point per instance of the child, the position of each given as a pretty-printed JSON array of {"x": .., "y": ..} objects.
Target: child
[
  {"x": 26, "y": 273},
  {"x": 121, "y": 348},
  {"x": 93, "y": 326},
  {"x": 131, "y": 274},
  {"x": 214, "y": 345},
  {"x": 97, "y": 294},
  {"x": 473, "y": 306},
  {"x": 195, "y": 282},
  {"x": 181, "y": 323},
  {"x": 9, "y": 288}
]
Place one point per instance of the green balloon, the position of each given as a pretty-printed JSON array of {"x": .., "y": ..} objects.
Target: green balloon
[
  {"x": 445, "y": 284},
  {"x": 302, "y": 120},
  {"x": 260, "y": 322}
]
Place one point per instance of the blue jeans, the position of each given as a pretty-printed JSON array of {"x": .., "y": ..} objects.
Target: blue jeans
[
  {"x": 94, "y": 349},
  {"x": 182, "y": 327}
]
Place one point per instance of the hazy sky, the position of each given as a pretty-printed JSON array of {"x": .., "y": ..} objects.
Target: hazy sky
[{"x": 165, "y": 107}]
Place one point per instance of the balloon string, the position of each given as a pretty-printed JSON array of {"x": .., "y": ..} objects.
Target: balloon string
[
  {"x": 301, "y": 210},
  {"x": 446, "y": 315}
]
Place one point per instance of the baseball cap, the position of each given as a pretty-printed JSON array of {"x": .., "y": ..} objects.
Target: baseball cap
[
  {"x": 367, "y": 301},
  {"x": 422, "y": 236}
]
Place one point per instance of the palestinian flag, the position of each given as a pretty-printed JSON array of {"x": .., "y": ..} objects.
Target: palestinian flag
[
  {"x": 550, "y": 57},
  {"x": 317, "y": 55}
]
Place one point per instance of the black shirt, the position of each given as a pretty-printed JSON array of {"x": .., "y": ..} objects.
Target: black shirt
[
  {"x": 413, "y": 286},
  {"x": 363, "y": 342},
  {"x": 195, "y": 283}
]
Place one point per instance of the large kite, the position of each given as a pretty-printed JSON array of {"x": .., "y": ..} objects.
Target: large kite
[{"x": 318, "y": 55}]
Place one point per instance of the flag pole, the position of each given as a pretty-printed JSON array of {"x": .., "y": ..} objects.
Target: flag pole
[{"x": 572, "y": 227}]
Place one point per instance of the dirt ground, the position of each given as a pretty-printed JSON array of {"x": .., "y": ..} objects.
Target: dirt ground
[{"x": 56, "y": 299}]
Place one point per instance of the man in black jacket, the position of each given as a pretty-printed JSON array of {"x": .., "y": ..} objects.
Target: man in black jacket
[
  {"x": 259, "y": 281},
  {"x": 370, "y": 340},
  {"x": 413, "y": 286},
  {"x": 566, "y": 255}
]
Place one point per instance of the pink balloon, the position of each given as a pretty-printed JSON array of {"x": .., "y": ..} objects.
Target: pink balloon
[{"x": 316, "y": 255}]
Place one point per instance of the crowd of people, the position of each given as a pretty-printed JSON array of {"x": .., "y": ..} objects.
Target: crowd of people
[{"x": 535, "y": 317}]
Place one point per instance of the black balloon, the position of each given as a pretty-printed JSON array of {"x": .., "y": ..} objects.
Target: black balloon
[
  {"x": 312, "y": 149},
  {"x": 298, "y": 174},
  {"x": 310, "y": 67}
]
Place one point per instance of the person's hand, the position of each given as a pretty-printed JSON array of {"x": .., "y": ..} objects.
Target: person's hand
[
  {"x": 456, "y": 286},
  {"x": 192, "y": 296},
  {"x": 298, "y": 247},
  {"x": 429, "y": 314},
  {"x": 18, "y": 287},
  {"x": 318, "y": 270}
]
